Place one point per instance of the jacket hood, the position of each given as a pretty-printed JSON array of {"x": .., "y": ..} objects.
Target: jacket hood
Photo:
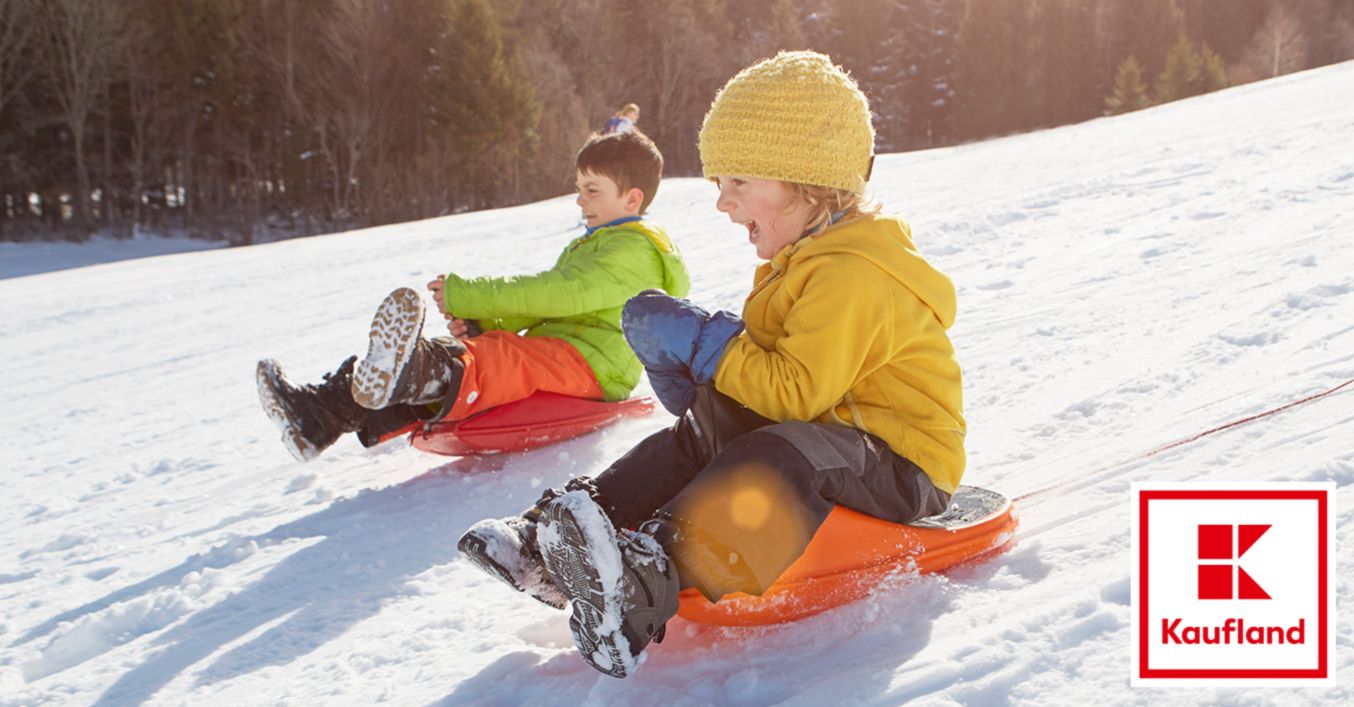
[
  {"x": 676, "y": 279},
  {"x": 886, "y": 242}
]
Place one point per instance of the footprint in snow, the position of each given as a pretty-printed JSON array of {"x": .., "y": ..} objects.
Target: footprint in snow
[
  {"x": 1263, "y": 338},
  {"x": 302, "y": 482},
  {"x": 1009, "y": 217},
  {"x": 1001, "y": 285},
  {"x": 101, "y": 573},
  {"x": 1118, "y": 592},
  {"x": 65, "y": 542},
  {"x": 1093, "y": 626}
]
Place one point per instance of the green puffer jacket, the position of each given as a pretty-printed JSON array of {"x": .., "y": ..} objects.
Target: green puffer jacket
[{"x": 579, "y": 299}]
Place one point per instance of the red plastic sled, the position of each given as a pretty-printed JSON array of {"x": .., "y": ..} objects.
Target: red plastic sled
[
  {"x": 543, "y": 418},
  {"x": 852, "y": 552}
]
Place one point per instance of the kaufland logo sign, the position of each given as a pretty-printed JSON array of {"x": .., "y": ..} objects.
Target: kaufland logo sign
[{"x": 1234, "y": 584}]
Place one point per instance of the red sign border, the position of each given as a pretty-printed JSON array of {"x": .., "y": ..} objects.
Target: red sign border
[{"x": 1322, "y": 498}]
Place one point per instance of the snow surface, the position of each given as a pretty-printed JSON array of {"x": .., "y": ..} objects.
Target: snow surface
[
  {"x": 1123, "y": 283},
  {"x": 19, "y": 259}
]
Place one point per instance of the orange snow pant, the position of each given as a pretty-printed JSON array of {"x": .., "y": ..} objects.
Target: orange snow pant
[{"x": 502, "y": 367}]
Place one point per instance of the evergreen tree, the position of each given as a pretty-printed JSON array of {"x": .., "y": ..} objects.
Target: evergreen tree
[
  {"x": 992, "y": 74},
  {"x": 1130, "y": 93},
  {"x": 1068, "y": 87},
  {"x": 1215, "y": 70},
  {"x": 482, "y": 97},
  {"x": 863, "y": 39},
  {"x": 928, "y": 29},
  {"x": 1183, "y": 75},
  {"x": 1145, "y": 29}
]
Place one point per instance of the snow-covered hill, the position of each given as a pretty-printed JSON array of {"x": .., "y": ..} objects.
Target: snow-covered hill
[{"x": 1123, "y": 283}]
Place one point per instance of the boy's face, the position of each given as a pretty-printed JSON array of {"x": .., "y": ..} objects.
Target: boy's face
[
  {"x": 603, "y": 202},
  {"x": 767, "y": 207}
]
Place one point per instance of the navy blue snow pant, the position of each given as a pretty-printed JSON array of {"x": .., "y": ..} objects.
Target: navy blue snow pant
[{"x": 738, "y": 497}]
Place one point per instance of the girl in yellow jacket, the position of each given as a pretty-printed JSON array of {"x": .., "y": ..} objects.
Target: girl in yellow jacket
[{"x": 837, "y": 385}]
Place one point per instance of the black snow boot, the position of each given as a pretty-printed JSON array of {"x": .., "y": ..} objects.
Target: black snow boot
[
  {"x": 311, "y": 417},
  {"x": 403, "y": 367},
  {"x": 621, "y": 587}
]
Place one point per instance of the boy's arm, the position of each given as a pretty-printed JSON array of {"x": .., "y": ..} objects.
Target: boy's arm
[
  {"x": 623, "y": 264},
  {"x": 832, "y": 337},
  {"x": 505, "y": 324}
]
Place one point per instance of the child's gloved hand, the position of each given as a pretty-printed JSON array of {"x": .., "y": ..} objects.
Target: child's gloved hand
[{"x": 679, "y": 344}]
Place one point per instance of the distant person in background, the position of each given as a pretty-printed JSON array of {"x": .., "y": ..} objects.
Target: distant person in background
[
  {"x": 623, "y": 121},
  {"x": 508, "y": 337}
]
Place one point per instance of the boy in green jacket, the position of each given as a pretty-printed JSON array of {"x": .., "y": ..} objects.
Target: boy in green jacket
[{"x": 508, "y": 337}]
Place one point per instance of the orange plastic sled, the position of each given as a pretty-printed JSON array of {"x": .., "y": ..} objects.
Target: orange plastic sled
[
  {"x": 852, "y": 552},
  {"x": 543, "y": 418}
]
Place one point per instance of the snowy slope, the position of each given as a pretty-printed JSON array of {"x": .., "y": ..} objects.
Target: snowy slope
[{"x": 1123, "y": 284}]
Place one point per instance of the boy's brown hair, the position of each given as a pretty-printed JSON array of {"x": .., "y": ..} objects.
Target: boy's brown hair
[{"x": 631, "y": 160}]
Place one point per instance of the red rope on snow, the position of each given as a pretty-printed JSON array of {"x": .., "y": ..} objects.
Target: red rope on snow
[
  {"x": 1242, "y": 421},
  {"x": 1197, "y": 437}
]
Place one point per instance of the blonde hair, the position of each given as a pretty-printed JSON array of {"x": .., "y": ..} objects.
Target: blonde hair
[{"x": 825, "y": 201}]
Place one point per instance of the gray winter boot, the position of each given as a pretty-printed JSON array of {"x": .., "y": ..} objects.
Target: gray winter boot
[
  {"x": 506, "y": 549},
  {"x": 621, "y": 587},
  {"x": 311, "y": 417},
  {"x": 401, "y": 366}
]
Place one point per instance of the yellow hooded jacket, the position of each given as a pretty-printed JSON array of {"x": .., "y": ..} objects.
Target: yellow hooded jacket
[{"x": 847, "y": 326}]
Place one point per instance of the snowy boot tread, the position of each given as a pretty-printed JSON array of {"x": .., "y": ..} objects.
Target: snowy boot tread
[
  {"x": 395, "y": 330},
  {"x": 621, "y": 587}
]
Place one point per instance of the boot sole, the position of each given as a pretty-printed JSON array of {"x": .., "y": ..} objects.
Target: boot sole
[
  {"x": 573, "y": 545},
  {"x": 267, "y": 376},
  {"x": 395, "y": 329}
]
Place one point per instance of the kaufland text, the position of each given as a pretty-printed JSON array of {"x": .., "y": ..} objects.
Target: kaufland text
[{"x": 1232, "y": 631}]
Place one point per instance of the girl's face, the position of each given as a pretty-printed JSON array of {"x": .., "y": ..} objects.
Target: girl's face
[{"x": 767, "y": 208}]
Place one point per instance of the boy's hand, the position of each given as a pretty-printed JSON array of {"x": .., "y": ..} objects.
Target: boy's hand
[
  {"x": 457, "y": 327},
  {"x": 435, "y": 287}
]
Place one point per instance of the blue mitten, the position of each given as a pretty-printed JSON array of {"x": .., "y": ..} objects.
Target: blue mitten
[{"x": 679, "y": 344}]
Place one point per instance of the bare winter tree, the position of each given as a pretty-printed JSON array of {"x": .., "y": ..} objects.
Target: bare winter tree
[
  {"x": 150, "y": 107},
  {"x": 18, "y": 25},
  {"x": 80, "y": 38},
  {"x": 348, "y": 94},
  {"x": 1278, "y": 47}
]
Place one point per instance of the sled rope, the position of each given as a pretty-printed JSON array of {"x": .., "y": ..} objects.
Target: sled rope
[{"x": 1187, "y": 440}]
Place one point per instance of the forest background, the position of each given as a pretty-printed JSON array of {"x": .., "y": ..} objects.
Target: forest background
[{"x": 255, "y": 120}]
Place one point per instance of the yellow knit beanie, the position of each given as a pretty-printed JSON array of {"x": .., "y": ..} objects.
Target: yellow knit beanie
[{"x": 796, "y": 117}]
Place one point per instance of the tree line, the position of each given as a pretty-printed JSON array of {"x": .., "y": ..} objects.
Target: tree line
[{"x": 254, "y": 120}]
